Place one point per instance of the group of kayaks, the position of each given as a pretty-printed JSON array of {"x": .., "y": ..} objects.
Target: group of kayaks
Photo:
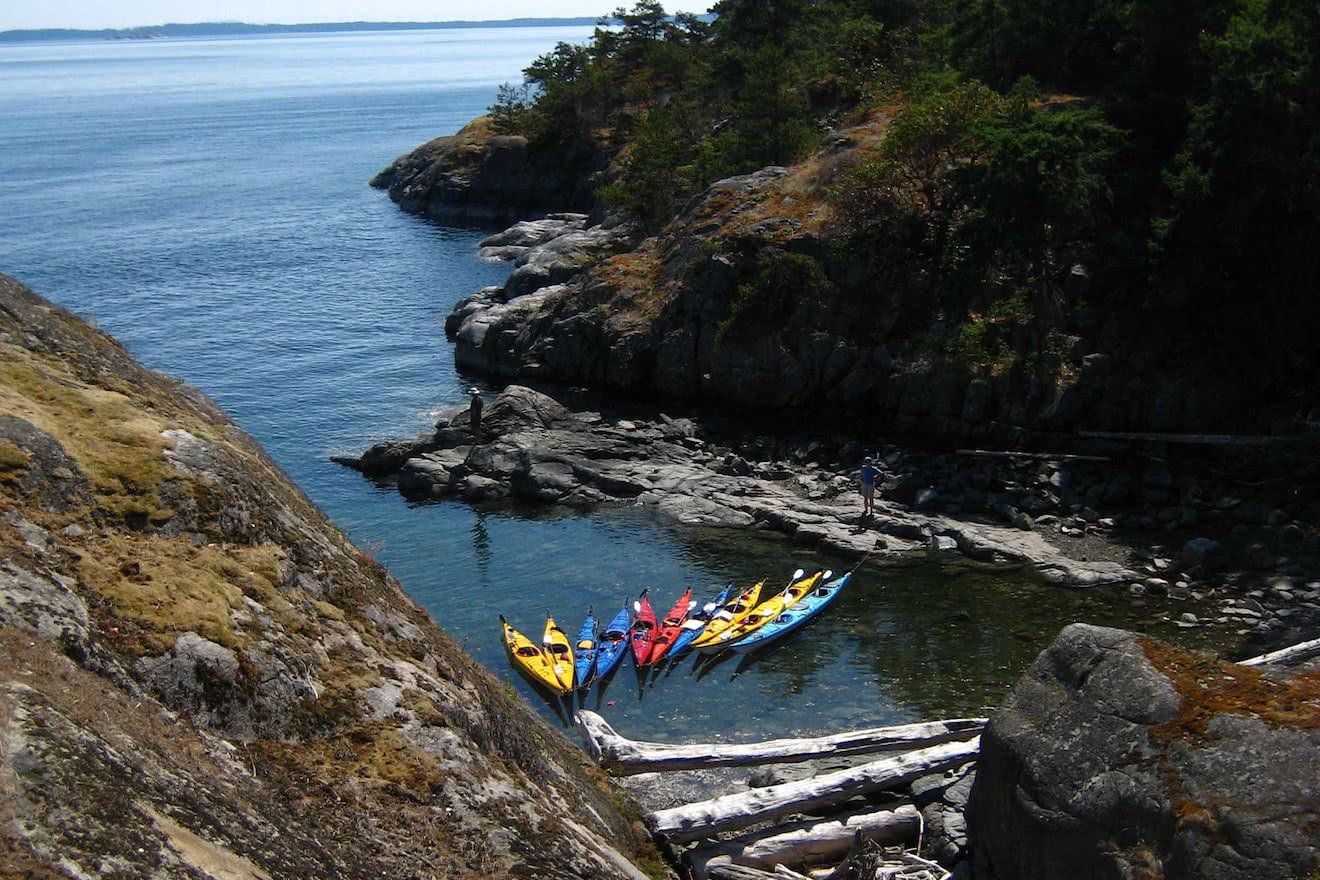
[{"x": 741, "y": 623}]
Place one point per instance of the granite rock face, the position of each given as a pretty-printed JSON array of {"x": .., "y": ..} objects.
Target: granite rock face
[
  {"x": 478, "y": 173},
  {"x": 692, "y": 313},
  {"x": 201, "y": 676},
  {"x": 534, "y": 448},
  {"x": 1116, "y": 756}
]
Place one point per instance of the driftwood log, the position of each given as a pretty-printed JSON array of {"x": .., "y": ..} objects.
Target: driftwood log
[
  {"x": 705, "y": 818},
  {"x": 811, "y": 842},
  {"x": 1287, "y": 656},
  {"x": 628, "y": 756},
  {"x": 738, "y": 872}
]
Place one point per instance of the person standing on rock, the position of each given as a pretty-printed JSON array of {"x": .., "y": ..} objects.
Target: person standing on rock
[
  {"x": 870, "y": 473},
  {"x": 474, "y": 412}
]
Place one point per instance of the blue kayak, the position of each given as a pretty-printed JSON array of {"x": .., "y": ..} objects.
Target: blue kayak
[
  {"x": 584, "y": 652},
  {"x": 796, "y": 616},
  {"x": 696, "y": 622},
  {"x": 612, "y": 644}
]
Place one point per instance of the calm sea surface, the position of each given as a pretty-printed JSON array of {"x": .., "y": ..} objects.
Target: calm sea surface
[{"x": 206, "y": 201}]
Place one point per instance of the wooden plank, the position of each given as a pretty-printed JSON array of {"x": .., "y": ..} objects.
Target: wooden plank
[
  {"x": 1202, "y": 439},
  {"x": 627, "y": 756},
  {"x": 705, "y": 818},
  {"x": 1286, "y": 656},
  {"x": 811, "y": 842}
]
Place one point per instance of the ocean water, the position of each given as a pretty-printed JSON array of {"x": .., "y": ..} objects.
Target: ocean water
[{"x": 206, "y": 201}]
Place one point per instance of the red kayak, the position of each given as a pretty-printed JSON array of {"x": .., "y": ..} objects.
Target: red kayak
[
  {"x": 643, "y": 630},
  {"x": 670, "y": 627}
]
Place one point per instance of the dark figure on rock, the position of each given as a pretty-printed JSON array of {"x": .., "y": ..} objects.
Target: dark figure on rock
[{"x": 474, "y": 413}]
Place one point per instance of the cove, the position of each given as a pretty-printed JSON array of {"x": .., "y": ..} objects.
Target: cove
[{"x": 206, "y": 202}]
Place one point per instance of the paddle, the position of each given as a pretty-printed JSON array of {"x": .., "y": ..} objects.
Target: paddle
[
  {"x": 710, "y": 607},
  {"x": 797, "y": 576}
]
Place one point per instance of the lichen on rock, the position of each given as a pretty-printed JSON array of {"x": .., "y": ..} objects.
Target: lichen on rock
[{"x": 199, "y": 674}]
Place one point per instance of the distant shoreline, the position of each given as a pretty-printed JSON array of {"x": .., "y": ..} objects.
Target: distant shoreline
[{"x": 235, "y": 28}]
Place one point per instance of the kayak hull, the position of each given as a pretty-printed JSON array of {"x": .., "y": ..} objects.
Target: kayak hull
[
  {"x": 728, "y": 616},
  {"x": 560, "y": 653},
  {"x": 613, "y": 644},
  {"x": 669, "y": 629},
  {"x": 766, "y": 612},
  {"x": 793, "y": 618},
  {"x": 584, "y": 653},
  {"x": 696, "y": 624},
  {"x": 531, "y": 661},
  {"x": 643, "y": 631}
]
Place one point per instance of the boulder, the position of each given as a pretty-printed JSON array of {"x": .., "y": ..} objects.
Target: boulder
[
  {"x": 518, "y": 408},
  {"x": 385, "y": 458},
  {"x": 1118, "y": 756},
  {"x": 39, "y": 468}
]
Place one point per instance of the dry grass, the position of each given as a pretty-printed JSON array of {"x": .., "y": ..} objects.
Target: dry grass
[
  {"x": 113, "y": 438},
  {"x": 150, "y": 589},
  {"x": 634, "y": 277},
  {"x": 1209, "y": 686}
]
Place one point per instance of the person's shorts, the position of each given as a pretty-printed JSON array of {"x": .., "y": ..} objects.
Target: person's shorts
[{"x": 868, "y": 491}]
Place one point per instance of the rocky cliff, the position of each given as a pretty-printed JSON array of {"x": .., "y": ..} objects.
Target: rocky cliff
[
  {"x": 1119, "y": 756},
  {"x": 200, "y": 676},
  {"x": 478, "y": 173},
  {"x": 753, "y": 295}
]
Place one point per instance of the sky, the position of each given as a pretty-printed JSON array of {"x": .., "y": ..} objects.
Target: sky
[{"x": 16, "y": 14}]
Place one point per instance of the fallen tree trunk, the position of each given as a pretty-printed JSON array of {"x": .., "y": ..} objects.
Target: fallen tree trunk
[
  {"x": 704, "y": 818},
  {"x": 809, "y": 843},
  {"x": 1286, "y": 656},
  {"x": 738, "y": 872},
  {"x": 628, "y": 756}
]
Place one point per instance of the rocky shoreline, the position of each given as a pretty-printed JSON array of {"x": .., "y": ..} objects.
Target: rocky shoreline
[{"x": 1071, "y": 522}]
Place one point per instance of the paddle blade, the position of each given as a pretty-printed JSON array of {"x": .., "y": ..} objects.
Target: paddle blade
[
  {"x": 826, "y": 575},
  {"x": 797, "y": 575},
  {"x": 637, "y": 607}
]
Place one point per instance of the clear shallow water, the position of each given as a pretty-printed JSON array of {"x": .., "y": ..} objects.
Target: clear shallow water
[{"x": 206, "y": 202}]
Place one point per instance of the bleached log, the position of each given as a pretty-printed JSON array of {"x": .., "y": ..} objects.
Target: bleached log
[
  {"x": 705, "y": 818},
  {"x": 1287, "y": 656},
  {"x": 1203, "y": 439},
  {"x": 810, "y": 842},
  {"x": 628, "y": 756},
  {"x": 738, "y": 872}
]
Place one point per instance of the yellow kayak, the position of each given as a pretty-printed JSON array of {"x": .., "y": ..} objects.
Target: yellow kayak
[
  {"x": 534, "y": 662},
  {"x": 730, "y": 615},
  {"x": 768, "y": 610},
  {"x": 560, "y": 652}
]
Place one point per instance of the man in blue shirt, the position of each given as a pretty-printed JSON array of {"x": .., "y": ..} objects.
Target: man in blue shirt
[{"x": 870, "y": 473}]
